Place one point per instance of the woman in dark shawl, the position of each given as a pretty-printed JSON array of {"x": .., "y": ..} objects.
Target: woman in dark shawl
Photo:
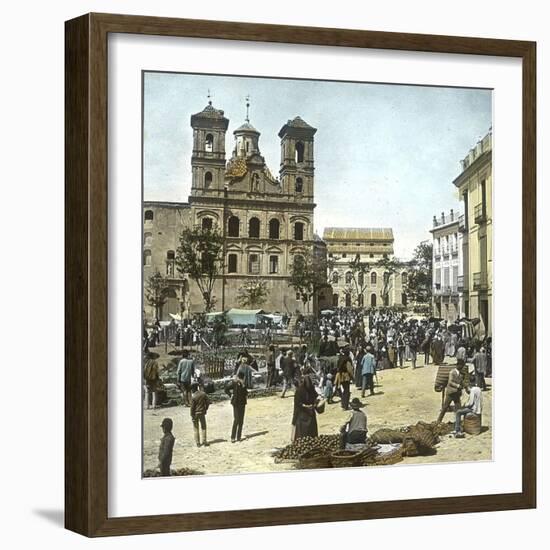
[{"x": 304, "y": 418}]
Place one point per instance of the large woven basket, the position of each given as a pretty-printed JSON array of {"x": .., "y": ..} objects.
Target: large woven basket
[
  {"x": 345, "y": 459},
  {"x": 472, "y": 424},
  {"x": 409, "y": 447},
  {"x": 387, "y": 435},
  {"x": 393, "y": 457},
  {"x": 316, "y": 458}
]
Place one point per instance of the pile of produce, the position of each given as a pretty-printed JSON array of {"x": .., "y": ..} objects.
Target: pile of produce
[
  {"x": 417, "y": 439},
  {"x": 326, "y": 443}
]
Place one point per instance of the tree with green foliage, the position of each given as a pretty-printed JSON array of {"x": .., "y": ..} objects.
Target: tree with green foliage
[
  {"x": 253, "y": 293},
  {"x": 156, "y": 292},
  {"x": 308, "y": 275},
  {"x": 390, "y": 267},
  {"x": 419, "y": 274},
  {"x": 200, "y": 256},
  {"x": 358, "y": 272}
]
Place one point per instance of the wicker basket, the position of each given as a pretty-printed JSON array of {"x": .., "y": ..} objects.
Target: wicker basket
[
  {"x": 393, "y": 457},
  {"x": 387, "y": 435},
  {"x": 409, "y": 447},
  {"x": 472, "y": 424},
  {"x": 345, "y": 459},
  {"x": 316, "y": 458}
]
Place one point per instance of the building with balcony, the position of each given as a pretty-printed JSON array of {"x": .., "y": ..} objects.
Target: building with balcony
[
  {"x": 354, "y": 272},
  {"x": 448, "y": 278},
  {"x": 475, "y": 188}
]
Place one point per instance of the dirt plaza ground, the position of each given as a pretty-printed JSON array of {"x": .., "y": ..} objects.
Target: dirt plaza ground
[{"x": 403, "y": 397}]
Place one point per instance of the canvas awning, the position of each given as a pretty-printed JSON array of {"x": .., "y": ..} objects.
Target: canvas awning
[{"x": 243, "y": 317}]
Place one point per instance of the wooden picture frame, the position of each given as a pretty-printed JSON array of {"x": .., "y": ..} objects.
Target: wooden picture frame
[{"x": 86, "y": 280}]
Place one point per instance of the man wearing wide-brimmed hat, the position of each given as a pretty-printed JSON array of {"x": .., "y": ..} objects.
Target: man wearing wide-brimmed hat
[{"x": 355, "y": 429}]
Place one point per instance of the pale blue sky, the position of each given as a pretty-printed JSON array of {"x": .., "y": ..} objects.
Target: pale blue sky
[{"x": 385, "y": 155}]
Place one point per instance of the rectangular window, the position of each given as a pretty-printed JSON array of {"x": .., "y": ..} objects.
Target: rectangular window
[
  {"x": 232, "y": 263},
  {"x": 254, "y": 264},
  {"x": 273, "y": 264}
]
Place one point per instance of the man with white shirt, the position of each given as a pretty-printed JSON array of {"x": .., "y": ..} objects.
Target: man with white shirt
[{"x": 473, "y": 406}]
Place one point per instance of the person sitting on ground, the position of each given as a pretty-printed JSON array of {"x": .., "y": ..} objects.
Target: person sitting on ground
[
  {"x": 473, "y": 406},
  {"x": 199, "y": 407},
  {"x": 166, "y": 447},
  {"x": 354, "y": 431}
]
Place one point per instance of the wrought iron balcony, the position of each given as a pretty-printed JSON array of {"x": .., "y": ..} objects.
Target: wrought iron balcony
[
  {"x": 480, "y": 280},
  {"x": 480, "y": 215}
]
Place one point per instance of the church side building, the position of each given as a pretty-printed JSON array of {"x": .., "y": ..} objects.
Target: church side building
[{"x": 374, "y": 287}]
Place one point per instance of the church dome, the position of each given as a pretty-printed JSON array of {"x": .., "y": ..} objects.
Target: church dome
[{"x": 246, "y": 128}]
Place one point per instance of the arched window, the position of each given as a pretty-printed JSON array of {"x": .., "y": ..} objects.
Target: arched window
[
  {"x": 335, "y": 278},
  {"x": 299, "y": 231},
  {"x": 299, "y": 152},
  {"x": 274, "y": 228},
  {"x": 348, "y": 277},
  {"x": 146, "y": 257},
  {"x": 299, "y": 185},
  {"x": 148, "y": 216},
  {"x": 233, "y": 226},
  {"x": 232, "y": 263},
  {"x": 254, "y": 228},
  {"x": 170, "y": 263},
  {"x": 206, "y": 224},
  {"x": 208, "y": 179},
  {"x": 361, "y": 279},
  {"x": 404, "y": 299},
  {"x": 373, "y": 300},
  {"x": 348, "y": 300},
  {"x": 335, "y": 300},
  {"x": 209, "y": 143},
  {"x": 147, "y": 239},
  {"x": 373, "y": 278},
  {"x": 404, "y": 278}
]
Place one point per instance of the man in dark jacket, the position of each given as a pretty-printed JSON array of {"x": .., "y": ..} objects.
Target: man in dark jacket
[
  {"x": 289, "y": 367},
  {"x": 166, "y": 447},
  {"x": 237, "y": 391},
  {"x": 199, "y": 407}
]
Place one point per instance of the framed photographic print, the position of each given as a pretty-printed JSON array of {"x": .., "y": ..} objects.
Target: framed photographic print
[{"x": 296, "y": 258}]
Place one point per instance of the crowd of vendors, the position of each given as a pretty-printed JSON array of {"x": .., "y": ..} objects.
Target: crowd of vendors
[{"x": 354, "y": 345}]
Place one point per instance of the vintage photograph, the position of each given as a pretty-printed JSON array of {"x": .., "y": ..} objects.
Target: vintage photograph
[{"x": 317, "y": 274}]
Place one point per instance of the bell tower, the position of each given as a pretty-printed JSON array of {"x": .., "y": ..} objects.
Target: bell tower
[
  {"x": 208, "y": 157},
  {"x": 297, "y": 159}
]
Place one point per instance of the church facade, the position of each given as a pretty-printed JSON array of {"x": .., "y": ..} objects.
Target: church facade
[{"x": 266, "y": 221}]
